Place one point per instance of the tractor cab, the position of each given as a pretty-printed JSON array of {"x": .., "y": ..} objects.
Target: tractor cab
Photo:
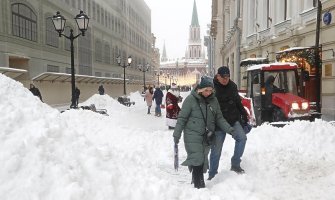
[{"x": 276, "y": 99}]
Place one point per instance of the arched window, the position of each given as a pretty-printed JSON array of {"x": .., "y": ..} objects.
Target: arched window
[
  {"x": 52, "y": 37},
  {"x": 98, "y": 51},
  {"x": 107, "y": 54},
  {"x": 85, "y": 53},
  {"x": 24, "y": 22}
]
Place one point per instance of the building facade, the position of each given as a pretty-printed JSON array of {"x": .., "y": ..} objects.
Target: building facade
[
  {"x": 30, "y": 44},
  {"x": 273, "y": 30}
]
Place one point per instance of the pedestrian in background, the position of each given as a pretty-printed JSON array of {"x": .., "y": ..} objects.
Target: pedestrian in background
[
  {"x": 172, "y": 107},
  {"x": 199, "y": 115},
  {"x": 148, "y": 98},
  {"x": 101, "y": 90},
  {"x": 158, "y": 98},
  {"x": 233, "y": 111},
  {"x": 35, "y": 91},
  {"x": 76, "y": 94}
]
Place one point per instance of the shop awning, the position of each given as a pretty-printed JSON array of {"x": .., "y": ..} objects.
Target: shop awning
[
  {"x": 12, "y": 72},
  {"x": 63, "y": 77}
]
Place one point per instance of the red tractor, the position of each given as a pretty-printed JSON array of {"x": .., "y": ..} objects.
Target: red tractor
[{"x": 284, "y": 103}]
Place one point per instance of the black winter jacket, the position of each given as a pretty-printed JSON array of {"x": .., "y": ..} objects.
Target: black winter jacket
[{"x": 230, "y": 101}]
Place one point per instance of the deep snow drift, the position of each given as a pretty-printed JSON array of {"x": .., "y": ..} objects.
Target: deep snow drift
[{"x": 82, "y": 155}]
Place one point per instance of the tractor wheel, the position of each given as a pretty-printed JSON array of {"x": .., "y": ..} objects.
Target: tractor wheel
[{"x": 278, "y": 115}]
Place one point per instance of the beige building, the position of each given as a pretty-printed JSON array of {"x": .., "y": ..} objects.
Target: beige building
[
  {"x": 275, "y": 29},
  {"x": 32, "y": 52}
]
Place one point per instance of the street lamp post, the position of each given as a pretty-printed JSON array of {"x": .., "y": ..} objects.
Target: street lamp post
[
  {"x": 158, "y": 74},
  {"x": 318, "y": 61},
  {"x": 118, "y": 59},
  {"x": 171, "y": 78},
  {"x": 59, "y": 23},
  {"x": 143, "y": 68},
  {"x": 165, "y": 76}
]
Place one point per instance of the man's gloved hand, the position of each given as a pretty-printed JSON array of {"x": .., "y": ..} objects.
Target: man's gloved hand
[
  {"x": 176, "y": 140},
  {"x": 231, "y": 131}
]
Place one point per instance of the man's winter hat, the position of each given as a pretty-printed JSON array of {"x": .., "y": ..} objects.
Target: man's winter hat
[
  {"x": 224, "y": 71},
  {"x": 206, "y": 81}
]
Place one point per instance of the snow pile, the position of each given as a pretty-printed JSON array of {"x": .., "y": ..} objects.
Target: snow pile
[{"x": 80, "y": 154}]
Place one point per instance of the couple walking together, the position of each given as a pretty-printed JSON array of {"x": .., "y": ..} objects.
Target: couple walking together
[{"x": 205, "y": 118}]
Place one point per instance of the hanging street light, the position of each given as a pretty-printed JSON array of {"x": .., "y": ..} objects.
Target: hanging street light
[
  {"x": 82, "y": 21},
  {"x": 158, "y": 74},
  {"x": 144, "y": 68},
  {"x": 124, "y": 65}
]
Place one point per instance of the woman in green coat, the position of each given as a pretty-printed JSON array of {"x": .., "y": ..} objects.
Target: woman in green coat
[{"x": 199, "y": 116}]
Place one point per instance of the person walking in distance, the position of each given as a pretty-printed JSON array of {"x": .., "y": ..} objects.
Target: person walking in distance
[
  {"x": 148, "y": 98},
  {"x": 101, "y": 90},
  {"x": 158, "y": 98},
  {"x": 199, "y": 115},
  {"x": 235, "y": 114},
  {"x": 77, "y": 94}
]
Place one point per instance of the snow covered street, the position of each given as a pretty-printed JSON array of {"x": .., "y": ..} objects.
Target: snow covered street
[{"x": 82, "y": 155}]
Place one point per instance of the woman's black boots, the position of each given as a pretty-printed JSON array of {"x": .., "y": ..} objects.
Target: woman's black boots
[{"x": 198, "y": 177}]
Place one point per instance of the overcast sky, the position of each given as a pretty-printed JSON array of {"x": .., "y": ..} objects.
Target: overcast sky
[{"x": 170, "y": 21}]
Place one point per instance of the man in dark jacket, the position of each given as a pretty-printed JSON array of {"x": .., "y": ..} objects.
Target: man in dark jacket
[
  {"x": 77, "y": 94},
  {"x": 235, "y": 114},
  {"x": 101, "y": 90},
  {"x": 158, "y": 98},
  {"x": 35, "y": 91}
]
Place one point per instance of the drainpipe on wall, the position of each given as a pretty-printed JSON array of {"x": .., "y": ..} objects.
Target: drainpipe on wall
[{"x": 237, "y": 69}]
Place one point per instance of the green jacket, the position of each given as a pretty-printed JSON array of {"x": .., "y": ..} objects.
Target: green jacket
[{"x": 191, "y": 121}]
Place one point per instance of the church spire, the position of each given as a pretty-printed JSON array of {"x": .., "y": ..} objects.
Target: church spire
[
  {"x": 195, "y": 22},
  {"x": 164, "y": 57},
  {"x": 194, "y": 43}
]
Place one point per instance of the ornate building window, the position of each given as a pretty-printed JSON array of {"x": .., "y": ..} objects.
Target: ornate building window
[
  {"x": 79, "y": 5},
  {"x": 107, "y": 57},
  {"x": 98, "y": 51},
  {"x": 24, "y": 22},
  {"x": 85, "y": 53},
  {"x": 52, "y": 37},
  {"x": 98, "y": 13},
  {"x": 52, "y": 68},
  {"x": 89, "y": 7},
  {"x": 93, "y": 10}
]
